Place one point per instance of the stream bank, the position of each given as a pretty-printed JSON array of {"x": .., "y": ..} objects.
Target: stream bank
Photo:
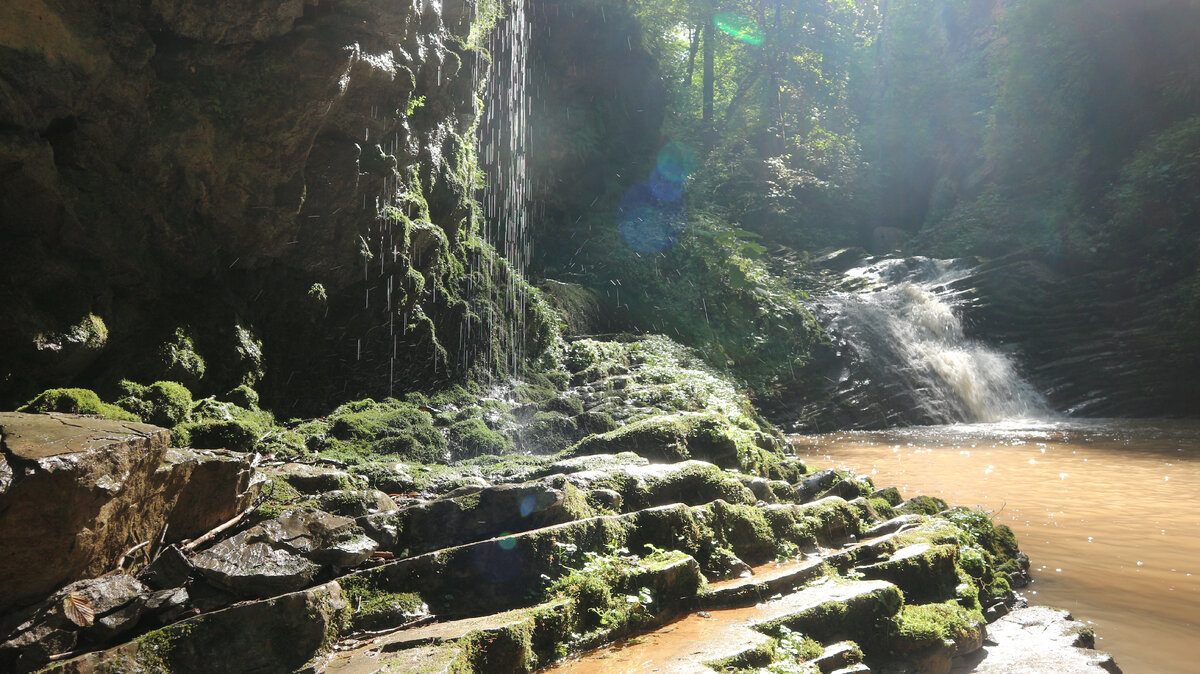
[{"x": 371, "y": 559}]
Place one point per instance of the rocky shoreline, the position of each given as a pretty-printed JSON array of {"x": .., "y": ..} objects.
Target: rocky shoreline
[{"x": 656, "y": 500}]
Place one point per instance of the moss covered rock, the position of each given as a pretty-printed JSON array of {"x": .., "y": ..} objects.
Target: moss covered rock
[
  {"x": 76, "y": 401},
  {"x": 163, "y": 403}
]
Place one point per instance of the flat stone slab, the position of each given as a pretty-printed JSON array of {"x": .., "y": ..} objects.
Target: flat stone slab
[
  {"x": 32, "y": 437},
  {"x": 1036, "y": 640}
]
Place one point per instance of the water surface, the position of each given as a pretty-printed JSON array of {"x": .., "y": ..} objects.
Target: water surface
[{"x": 1108, "y": 512}]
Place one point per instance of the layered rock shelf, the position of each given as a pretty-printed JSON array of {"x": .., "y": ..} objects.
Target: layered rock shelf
[{"x": 547, "y": 561}]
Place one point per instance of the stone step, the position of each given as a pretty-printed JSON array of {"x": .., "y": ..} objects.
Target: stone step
[
  {"x": 770, "y": 579},
  {"x": 498, "y": 638},
  {"x": 738, "y": 637},
  {"x": 839, "y": 656},
  {"x": 830, "y": 610},
  {"x": 767, "y": 580},
  {"x": 500, "y": 570}
]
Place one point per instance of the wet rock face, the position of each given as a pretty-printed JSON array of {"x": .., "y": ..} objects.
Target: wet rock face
[
  {"x": 173, "y": 162},
  {"x": 76, "y": 492},
  {"x": 284, "y": 554}
]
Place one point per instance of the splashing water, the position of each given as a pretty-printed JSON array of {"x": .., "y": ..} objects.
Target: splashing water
[{"x": 906, "y": 356}]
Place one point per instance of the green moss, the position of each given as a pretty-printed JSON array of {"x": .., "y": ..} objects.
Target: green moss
[
  {"x": 472, "y": 437},
  {"x": 889, "y": 494},
  {"x": 746, "y": 530},
  {"x": 220, "y": 425},
  {"x": 706, "y": 436},
  {"x": 375, "y": 608},
  {"x": 154, "y": 648},
  {"x": 548, "y": 433},
  {"x": 249, "y": 351},
  {"x": 242, "y": 396},
  {"x": 89, "y": 333},
  {"x": 76, "y": 401},
  {"x": 568, "y": 405},
  {"x": 695, "y": 484},
  {"x": 922, "y": 505},
  {"x": 918, "y": 627},
  {"x": 365, "y": 429},
  {"x": 882, "y": 507},
  {"x": 163, "y": 403},
  {"x": 179, "y": 359},
  {"x": 276, "y": 497}
]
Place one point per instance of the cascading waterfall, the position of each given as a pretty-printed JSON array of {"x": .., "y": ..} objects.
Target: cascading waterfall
[
  {"x": 503, "y": 144},
  {"x": 906, "y": 357}
]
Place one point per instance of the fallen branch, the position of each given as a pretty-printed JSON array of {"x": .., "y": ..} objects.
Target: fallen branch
[
  {"x": 63, "y": 656},
  {"x": 425, "y": 620},
  {"x": 129, "y": 553},
  {"x": 192, "y": 545}
]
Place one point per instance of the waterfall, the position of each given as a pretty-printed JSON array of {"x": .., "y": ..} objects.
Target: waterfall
[
  {"x": 503, "y": 146},
  {"x": 904, "y": 355}
]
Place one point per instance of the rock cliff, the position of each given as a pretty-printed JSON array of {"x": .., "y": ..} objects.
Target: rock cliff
[{"x": 229, "y": 191}]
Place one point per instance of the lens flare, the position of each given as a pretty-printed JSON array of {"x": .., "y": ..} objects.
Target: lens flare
[
  {"x": 528, "y": 505},
  {"x": 739, "y": 28},
  {"x": 676, "y": 162},
  {"x": 646, "y": 222},
  {"x": 663, "y": 188}
]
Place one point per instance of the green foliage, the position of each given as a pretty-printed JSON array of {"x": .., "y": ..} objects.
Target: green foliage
[
  {"x": 602, "y": 593},
  {"x": 90, "y": 333},
  {"x": 76, "y": 401}
]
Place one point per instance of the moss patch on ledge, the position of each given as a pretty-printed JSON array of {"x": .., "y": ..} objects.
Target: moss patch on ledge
[{"x": 76, "y": 401}]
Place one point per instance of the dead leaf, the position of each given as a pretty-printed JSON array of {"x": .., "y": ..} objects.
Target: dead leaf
[{"x": 78, "y": 609}]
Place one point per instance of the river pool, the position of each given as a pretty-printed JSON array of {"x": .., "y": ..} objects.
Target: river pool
[{"x": 1107, "y": 510}]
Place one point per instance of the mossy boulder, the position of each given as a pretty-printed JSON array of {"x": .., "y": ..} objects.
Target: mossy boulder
[
  {"x": 163, "y": 403},
  {"x": 930, "y": 635},
  {"x": 179, "y": 359},
  {"x": 220, "y": 425},
  {"x": 366, "y": 429},
  {"x": 473, "y": 437},
  {"x": 76, "y": 401},
  {"x": 666, "y": 438},
  {"x": 922, "y": 505},
  {"x": 549, "y": 432},
  {"x": 242, "y": 396}
]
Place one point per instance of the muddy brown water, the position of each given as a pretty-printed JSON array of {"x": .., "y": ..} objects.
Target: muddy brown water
[{"x": 1108, "y": 511}]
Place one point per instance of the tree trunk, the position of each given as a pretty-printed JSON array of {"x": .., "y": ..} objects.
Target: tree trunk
[
  {"x": 695, "y": 47},
  {"x": 709, "y": 57}
]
